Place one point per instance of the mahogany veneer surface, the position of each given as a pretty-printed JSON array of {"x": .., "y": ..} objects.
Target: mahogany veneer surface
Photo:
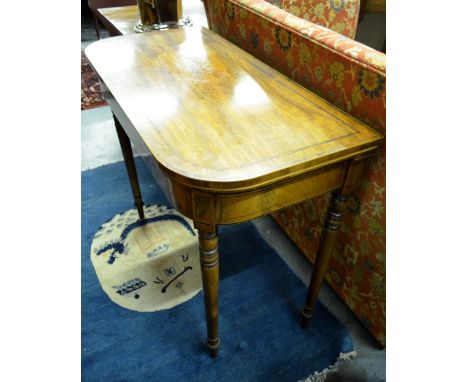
[{"x": 215, "y": 117}]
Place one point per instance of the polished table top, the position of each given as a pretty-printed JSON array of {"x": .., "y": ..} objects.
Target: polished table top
[{"x": 215, "y": 117}]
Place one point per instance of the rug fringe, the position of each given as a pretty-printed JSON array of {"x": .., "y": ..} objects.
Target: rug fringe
[{"x": 321, "y": 376}]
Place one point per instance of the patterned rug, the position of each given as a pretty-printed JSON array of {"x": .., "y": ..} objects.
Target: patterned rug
[
  {"x": 260, "y": 301},
  {"x": 91, "y": 95},
  {"x": 147, "y": 265}
]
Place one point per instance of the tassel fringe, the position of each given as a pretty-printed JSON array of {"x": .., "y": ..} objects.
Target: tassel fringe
[{"x": 321, "y": 376}]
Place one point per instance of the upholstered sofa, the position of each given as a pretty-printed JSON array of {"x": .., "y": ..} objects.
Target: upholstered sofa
[{"x": 310, "y": 41}]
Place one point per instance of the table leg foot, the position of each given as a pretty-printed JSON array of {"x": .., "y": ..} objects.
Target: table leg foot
[
  {"x": 307, "y": 314},
  {"x": 213, "y": 345},
  {"x": 127, "y": 153},
  {"x": 141, "y": 212},
  {"x": 327, "y": 240},
  {"x": 208, "y": 242}
]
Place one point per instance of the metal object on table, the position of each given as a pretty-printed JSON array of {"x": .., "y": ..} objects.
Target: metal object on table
[{"x": 160, "y": 14}]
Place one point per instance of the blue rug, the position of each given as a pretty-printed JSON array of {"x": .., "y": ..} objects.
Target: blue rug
[{"x": 260, "y": 301}]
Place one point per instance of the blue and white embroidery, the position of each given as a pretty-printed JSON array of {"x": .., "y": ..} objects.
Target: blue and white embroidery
[{"x": 118, "y": 247}]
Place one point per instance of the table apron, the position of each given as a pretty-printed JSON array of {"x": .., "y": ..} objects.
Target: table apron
[{"x": 228, "y": 208}]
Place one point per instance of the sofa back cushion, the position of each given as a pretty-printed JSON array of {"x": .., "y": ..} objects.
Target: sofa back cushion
[{"x": 338, "y": 15}]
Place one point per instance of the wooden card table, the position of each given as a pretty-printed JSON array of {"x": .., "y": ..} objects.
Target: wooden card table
[{"x": 228, "y": 138}]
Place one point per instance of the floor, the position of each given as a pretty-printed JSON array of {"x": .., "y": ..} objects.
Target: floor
[{"x": 99, "y": 146}]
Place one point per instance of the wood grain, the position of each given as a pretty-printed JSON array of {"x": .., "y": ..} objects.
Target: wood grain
[
  {"x": 331, "y": 227},
  {"x": 216, "y": 118},
  {"x": 209, "y": 263},
  {"x": 127, "y": 154}
]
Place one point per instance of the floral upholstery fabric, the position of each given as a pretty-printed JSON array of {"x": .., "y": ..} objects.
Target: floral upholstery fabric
[
  {"x": 351, "y": 76},
  {"x": 338, "y": 15}
]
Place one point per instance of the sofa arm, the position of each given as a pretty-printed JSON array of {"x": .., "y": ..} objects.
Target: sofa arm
[{"x": 346, "y": 73}]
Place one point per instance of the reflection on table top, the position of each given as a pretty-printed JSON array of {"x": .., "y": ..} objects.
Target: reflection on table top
[{"x": 210, "y": 113}]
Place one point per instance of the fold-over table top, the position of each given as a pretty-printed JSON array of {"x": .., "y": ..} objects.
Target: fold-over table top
[{"x": 214, "y": 116}]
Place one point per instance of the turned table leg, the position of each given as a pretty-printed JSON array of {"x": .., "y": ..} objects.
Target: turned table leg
[
  {"x": 327, "y": 240},
  {"x": 208, "y": 241},
  {"x": 127, "y": 153}
]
